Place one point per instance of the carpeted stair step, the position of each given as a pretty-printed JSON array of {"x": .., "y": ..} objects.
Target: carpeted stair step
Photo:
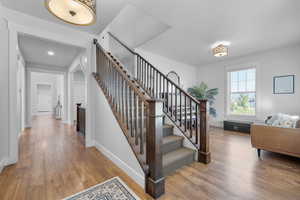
[
  {"x": 177, "y": 159},
  {"x": 171, "y": 143}
]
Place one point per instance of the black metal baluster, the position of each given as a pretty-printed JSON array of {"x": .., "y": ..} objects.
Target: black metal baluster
[
  {"x": 126, "y": 104},
  {"x": 164, "y": 93},
  {"x": 151, "y": 77},
  {"x": 141, "y": 114},
  {"x": 196, "y": 123},
  {"x": 143, "y": 74},
  {"x": 167, "y": 82},
  {"x": 176, "y": 104},
  {"x": 123, "y": 106},
  {"x": 148, "y": 77},
  {"x": 136, "y": 119},
  {"x": 185, "y": 119},
  {"x": 191, "y": 118},
  {"x": 171, "y": 100},
  {"x": 180, "y": 100},
  {"x": 156, "y": 86},
  {"x": 138, "y": 69},
  {"x": 131, "y": 112}
]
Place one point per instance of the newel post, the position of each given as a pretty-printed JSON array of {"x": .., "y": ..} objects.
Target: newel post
[
  {"x": 155, "y": 181},
  {"x": 77, "y": 114},
  {"x": 204, "y": 151}
]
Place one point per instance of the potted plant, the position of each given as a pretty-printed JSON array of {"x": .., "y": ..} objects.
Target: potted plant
[{"x": 203, "y": 92}]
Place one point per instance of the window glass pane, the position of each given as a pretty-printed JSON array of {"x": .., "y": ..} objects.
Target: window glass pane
[
  {"x": 242, "y": 95},
  {"x": 251, "y": 86},
  {"x": 251, "y": 74},
  {"x": 234, "y": 76},
  {"x": 242, "y": 104},
  {"x": 234, "y": 87},
  {"x": 242, "y": 86},
  {"x": 243, "y": 75}
]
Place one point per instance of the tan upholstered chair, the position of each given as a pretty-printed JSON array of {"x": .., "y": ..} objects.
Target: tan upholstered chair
[{"x": 276, "y": 139}]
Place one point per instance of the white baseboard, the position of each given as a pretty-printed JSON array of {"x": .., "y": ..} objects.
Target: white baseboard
[
  {"x": 127, "y": 169},
  {"x": 90, "y": 143},
  {"x": 3, "y": 163}
]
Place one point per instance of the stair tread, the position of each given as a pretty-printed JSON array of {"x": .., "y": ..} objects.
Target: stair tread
[
  {"x": 176, "y": 155},
  {"x": 171, "y": 139}
]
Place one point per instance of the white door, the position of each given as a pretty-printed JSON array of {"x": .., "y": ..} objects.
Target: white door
[{"x": 44, "y": 93}]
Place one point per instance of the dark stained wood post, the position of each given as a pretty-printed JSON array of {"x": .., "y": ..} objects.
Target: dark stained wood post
[
  {"x": 77, "y": 114},
  {"x": 204, "y": 151},
  {"x": 155, "y": 181}
]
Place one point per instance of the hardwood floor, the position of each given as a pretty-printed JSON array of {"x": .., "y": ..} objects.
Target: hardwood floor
[{"x": 54, "y": 164}]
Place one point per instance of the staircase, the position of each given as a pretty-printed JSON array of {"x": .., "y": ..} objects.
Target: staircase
[{"x": 140, "y": 103}]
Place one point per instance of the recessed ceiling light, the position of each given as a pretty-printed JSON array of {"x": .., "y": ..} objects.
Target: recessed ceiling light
[{"x": 50, "y": 53}]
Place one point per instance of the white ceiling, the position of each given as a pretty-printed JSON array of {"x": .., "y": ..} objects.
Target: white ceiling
[
  {"x": 250, "y": 26},
  {"x": 35, "y": 51},
  {"x": 136, "y": 27},
  {"x": 106, "y": 11},
  {"x": 193, "y": 26}
]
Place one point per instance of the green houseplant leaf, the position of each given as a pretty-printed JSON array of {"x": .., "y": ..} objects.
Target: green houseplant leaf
[{"x": 203, "y": 92}]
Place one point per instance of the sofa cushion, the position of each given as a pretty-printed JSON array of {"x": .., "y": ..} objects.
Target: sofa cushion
[{"x": 283, "y": 120}]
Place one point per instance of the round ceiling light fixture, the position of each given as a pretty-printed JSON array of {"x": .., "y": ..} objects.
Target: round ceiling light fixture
[
  {"x": 220, "y": 50},
  {"x": 77, "y": 12}
]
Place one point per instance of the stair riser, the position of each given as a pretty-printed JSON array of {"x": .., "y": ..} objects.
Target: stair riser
[
  {"x": 167, "y": 131},
  {"x": 167, "y": 170},
  {"x": 166, "y": 148}
]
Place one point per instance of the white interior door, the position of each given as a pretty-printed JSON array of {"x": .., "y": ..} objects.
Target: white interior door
[{"x": 44, "y": 93}]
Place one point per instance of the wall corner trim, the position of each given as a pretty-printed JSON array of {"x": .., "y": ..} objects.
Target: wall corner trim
[{"x": 116, "y": 160}]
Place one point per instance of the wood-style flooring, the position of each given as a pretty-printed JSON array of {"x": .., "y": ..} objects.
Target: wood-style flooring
[{"x": 55, "y": 164}]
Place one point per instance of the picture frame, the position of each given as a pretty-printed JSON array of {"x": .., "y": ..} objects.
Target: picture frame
[{"x": 284, "y": 84}]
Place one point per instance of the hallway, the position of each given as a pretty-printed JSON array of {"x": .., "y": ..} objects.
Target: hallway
[{"x": 54, "y": 164}]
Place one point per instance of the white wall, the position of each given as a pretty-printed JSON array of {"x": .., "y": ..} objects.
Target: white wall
[
  {"x": 109, "y": 138},
  {"x": 77, "y": 85},
  {"x": 78, "y": 92},
  {"x": 187, "y": 73},
  {"x": 4, "y": 102},
  {"x": 276, "y": 62}
]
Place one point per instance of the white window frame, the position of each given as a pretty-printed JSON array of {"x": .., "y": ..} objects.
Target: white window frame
[{"x": 228, "y": 91}]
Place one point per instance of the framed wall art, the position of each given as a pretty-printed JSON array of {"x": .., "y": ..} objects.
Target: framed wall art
[{"x": 284, "y": 84}]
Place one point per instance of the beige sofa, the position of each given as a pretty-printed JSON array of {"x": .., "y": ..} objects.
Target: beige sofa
[{"x": 276, "y": 139}]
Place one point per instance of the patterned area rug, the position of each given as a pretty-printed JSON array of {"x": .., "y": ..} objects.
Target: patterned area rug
[{"x": 113, "y": 189}]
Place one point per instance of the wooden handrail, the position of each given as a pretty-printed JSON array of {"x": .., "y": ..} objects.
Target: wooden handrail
[{"x": 138, "y": 116}]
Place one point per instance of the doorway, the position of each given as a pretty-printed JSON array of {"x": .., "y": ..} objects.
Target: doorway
[
  {"x": 44, "y": 97},
  {"x": 46, "y": 92}
]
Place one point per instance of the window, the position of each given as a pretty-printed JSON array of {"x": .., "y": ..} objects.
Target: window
[{"x": 242, "y": 92}]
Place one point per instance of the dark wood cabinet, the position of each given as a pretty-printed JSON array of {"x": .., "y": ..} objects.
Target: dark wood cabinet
[
  {"x": 80, "y": 123},
  {"x": 239, "y": 126}
]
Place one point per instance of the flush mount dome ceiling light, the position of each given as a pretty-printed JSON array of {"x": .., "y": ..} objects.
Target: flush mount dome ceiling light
[
  {"x": 77, "y": 12},
  {"x": 220, "y": 50}
]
